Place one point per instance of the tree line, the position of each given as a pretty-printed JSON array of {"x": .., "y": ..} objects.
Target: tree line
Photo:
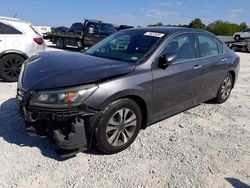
[{"x": 218, "y": 27}]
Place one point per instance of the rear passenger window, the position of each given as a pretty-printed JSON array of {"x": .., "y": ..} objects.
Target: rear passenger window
[
  {"x": 6, "y": 29},
  {"x": 209, "y": 46},
  {"x": 182, "y": 46}
]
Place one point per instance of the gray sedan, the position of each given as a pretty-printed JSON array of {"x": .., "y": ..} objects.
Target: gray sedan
[{"x": 125, "y": 83}]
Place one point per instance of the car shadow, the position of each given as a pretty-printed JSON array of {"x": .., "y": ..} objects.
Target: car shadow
[
  {"x": 13, "y": 131},
  {"x": 237, "y": 183}
]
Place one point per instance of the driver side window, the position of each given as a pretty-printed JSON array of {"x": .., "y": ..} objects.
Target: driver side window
[
  {"x": 91, "y": 29},
  {"x": 182, "y": 46}
]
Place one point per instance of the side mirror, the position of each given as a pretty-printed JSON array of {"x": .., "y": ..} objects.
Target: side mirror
[{"x": 166, "y": 60}]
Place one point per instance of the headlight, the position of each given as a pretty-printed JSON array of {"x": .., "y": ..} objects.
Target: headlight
[{"x": 62, "y": 98}]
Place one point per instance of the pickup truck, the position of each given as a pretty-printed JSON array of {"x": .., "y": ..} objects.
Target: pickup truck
[{"x": 82, "y": 34}]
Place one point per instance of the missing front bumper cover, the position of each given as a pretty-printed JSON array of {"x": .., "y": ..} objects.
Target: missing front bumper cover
[
  {"x": 70, "y": 137},
  {"x": 65, "y": 127}
]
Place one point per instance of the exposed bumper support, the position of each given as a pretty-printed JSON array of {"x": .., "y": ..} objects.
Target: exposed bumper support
[
  {"x": 75, "y": 139},
  {"x": 66, "y": 129},
  {"x": 70, "y": 137}
]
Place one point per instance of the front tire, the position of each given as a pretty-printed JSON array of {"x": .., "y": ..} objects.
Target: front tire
[
  {"x": 237, "y": 37},
  {"x": 10, "y": 67},
  {"x": 225, "y": 89},
  {"x": 118, "y": 126}
]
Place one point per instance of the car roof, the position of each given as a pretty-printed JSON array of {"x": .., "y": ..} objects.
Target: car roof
[
  {"x": 13, "y": 20},
  {"x": 170, "y": 30}
]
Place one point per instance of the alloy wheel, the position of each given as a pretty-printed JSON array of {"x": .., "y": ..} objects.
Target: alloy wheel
[
  {"x": 121, "y": 127},
  {"x": 226, "y": 88},
  {"x": 12, "y": 68}
]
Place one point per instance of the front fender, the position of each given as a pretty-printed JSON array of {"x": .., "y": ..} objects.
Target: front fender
[
  {"x": 139, "y": 85},
  {"x": 100, "y": 101}
]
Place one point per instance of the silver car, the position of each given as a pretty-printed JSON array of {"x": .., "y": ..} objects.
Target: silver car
[{"x": 242, "y": 35}]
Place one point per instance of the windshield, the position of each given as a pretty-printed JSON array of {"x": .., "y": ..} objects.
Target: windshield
[
  {"x": 129, "y": 46},
  {"x": 106, "y": 28}
]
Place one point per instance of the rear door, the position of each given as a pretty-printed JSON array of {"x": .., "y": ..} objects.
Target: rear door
[
  {"x": 1, "y": 44},
  {"x": 177, "y": 87},
  {"x": 10, "y": 38},
  {"x": 214, "y": 64}
]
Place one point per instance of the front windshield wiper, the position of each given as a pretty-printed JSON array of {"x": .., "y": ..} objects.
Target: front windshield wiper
[{"x": 113, "y": 58}]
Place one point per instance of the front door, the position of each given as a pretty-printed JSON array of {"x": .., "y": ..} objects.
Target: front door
[
  {"x": 177, "y": 87},
  {"x": 1, "y": 44},
  {"x": 91, "y": 35},
  {"x": 2, "y": 41}
]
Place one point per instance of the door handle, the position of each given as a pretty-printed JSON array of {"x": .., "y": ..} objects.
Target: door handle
[
  {"x": 197, "y": 67},
  {"x": 0, "y": 40},
  {"x": 224, "y": 60}
]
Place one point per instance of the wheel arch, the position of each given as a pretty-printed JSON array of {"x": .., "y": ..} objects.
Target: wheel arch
[
  {"x": 94, "y": 120},
  {"x": 233, "y": 75},
  {"x": 134, "y": 95},
  {"x": 143, "y": 107},
  {"x": 16, "y": 52},
  {"x": 237, "y": 35}
]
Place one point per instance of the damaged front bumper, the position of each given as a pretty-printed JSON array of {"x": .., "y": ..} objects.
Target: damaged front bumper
[{"x": 68, "y": 128}]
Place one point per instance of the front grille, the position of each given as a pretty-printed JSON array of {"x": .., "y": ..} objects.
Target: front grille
[{"x": 58, "y": 112}]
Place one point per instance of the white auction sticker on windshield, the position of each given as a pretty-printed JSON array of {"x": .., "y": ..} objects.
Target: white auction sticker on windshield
[{"x": 154, "y": 34}]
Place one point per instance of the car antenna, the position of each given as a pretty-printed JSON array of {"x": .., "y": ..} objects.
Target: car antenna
[{"x": 15, "y": 15}]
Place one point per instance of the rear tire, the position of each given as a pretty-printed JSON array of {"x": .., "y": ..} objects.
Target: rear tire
[
  {"x": 244, "y": 49},
  {"x": 225, "y": 89},
  {"x": 234, "y": 48},
  {"x": 118, "y": 126},
  {"x": 10, "y": 67},
  {"x": 60, "y": 43}
]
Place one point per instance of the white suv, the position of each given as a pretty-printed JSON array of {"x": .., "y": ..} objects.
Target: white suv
[
  {"x": 242, "y": 35},
  {"x": 19, "y": 40}
]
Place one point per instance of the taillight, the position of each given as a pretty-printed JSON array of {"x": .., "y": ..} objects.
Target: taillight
[{"x": 39, "y": 41}]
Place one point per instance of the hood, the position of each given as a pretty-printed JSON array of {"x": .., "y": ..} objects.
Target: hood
[
  {"x": 50, "y": 70},
  {"x": 237, "y": 33}
]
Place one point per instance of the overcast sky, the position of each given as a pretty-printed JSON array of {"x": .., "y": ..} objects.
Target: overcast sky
[{"x": 131, "y": 12}]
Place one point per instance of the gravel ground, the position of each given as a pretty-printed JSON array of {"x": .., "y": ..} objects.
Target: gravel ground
[{"x": 207, "y": 146}]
